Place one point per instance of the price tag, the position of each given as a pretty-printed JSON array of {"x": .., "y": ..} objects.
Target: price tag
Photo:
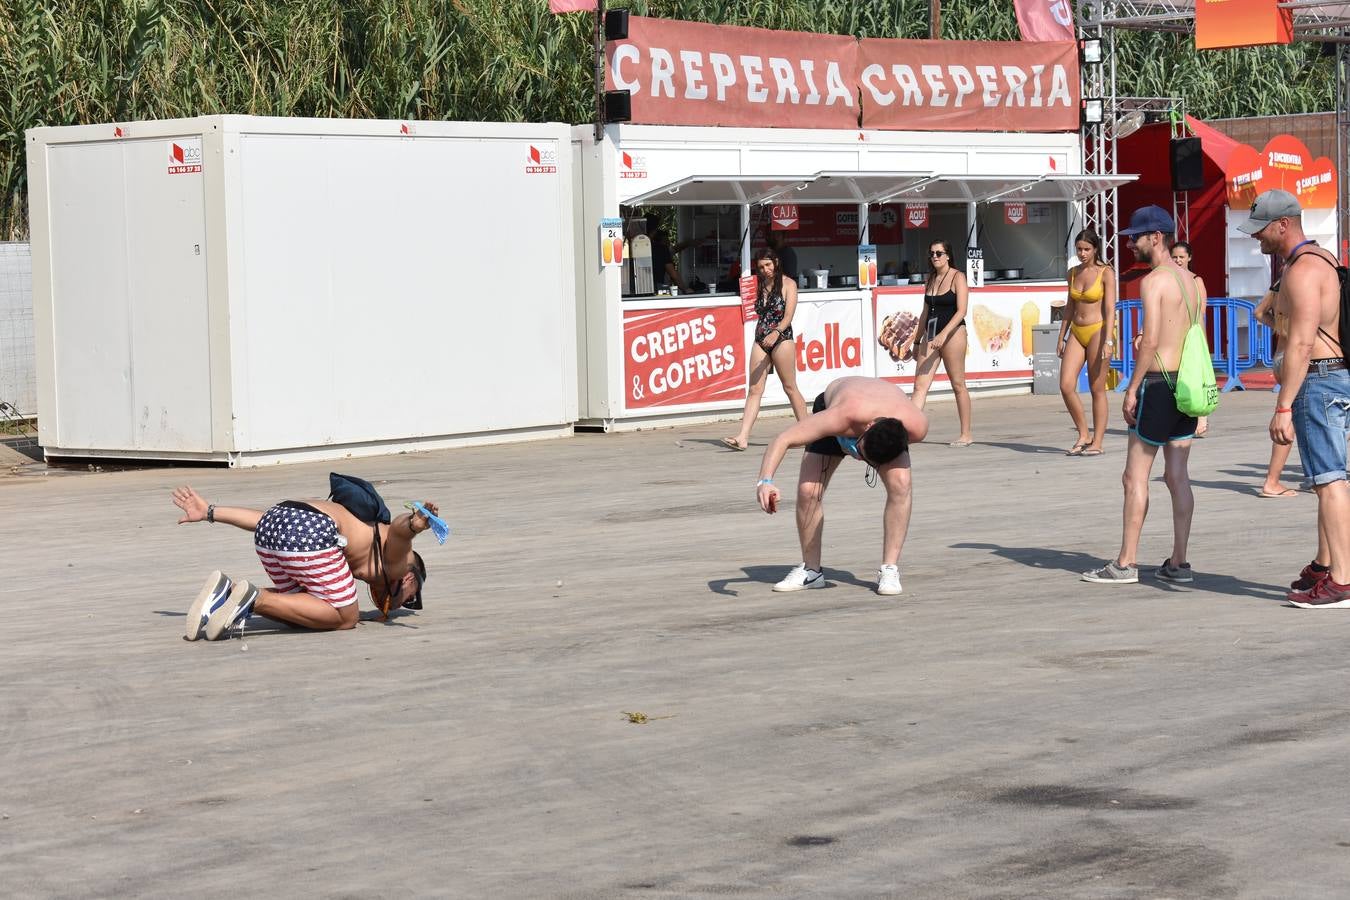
[
  {"x": 867, "y": 266},
  {"x": 974, "y": 267}
]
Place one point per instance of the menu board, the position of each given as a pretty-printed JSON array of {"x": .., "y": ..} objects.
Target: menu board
[{"x": 998, "y": 331}]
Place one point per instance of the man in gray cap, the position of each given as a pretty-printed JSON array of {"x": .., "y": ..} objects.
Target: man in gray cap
[
  {"x": 1314, "y": 402},
  {"x": 1170, "y": 303}
]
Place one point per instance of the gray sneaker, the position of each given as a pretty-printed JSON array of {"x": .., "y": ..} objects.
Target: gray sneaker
[
  {"x": 1180, "y": 574},
  {"x": 1113, "y": 574}
]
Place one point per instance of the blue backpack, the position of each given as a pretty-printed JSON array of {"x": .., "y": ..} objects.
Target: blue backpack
[{"x": 359, "y": 497}]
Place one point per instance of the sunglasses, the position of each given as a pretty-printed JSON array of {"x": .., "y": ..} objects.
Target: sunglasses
[{"x": 937, "y": 253}]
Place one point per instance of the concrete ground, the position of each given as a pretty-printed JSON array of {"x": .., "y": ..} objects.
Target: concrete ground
[{"x": 1000, "y": 730}]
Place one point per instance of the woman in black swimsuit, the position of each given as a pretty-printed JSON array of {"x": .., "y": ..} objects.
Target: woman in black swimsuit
[
  {"x": 943, "y": 333},
  {"x": 775, "y": 303}
]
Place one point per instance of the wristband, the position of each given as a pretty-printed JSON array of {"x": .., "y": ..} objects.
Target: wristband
[
  {"x": 1283, "y": 409},
  {"x": 763, "y": 481},
  {"x": 211, "y": 513}
]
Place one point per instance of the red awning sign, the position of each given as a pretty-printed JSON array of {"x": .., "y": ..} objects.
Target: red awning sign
[
  {"x": 785, "y": 217},
  {"x": 1015, "y": 213}
]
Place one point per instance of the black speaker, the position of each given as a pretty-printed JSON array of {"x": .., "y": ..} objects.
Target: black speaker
[
  {"x": 618, "y": 106},
  {"x": 616, "y": 24},
  {"x": 1188, "y": 164}
]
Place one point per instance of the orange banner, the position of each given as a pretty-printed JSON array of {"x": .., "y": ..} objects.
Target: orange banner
[
  {"x": 691, "y": 73},
  {"x": 1285, "y": 163},
  {"x": 1243, "y": 173},
  {"x": 1241, "y": 23},
  {"x": 969, "y": 85}
]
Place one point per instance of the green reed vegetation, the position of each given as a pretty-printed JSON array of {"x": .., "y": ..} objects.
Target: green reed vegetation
[{"x": 67, "y": 62}]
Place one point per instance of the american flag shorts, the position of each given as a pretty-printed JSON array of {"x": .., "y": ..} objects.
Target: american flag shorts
[{"x": 302, "y": 552}]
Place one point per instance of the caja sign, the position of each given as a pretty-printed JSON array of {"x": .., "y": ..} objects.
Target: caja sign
[{"x": 676, "y": 357}]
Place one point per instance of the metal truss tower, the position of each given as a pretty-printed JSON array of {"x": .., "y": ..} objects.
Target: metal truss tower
[{"x": 1321, "y": 21}]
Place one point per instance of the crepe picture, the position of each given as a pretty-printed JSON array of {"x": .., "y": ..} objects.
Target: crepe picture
[
  {"x": 993, "y": 331},
  {"x": 895, "y": 330}
]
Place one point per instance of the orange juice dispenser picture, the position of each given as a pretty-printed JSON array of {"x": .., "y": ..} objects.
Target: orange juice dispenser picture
[{"x": 1031, "y": 315}]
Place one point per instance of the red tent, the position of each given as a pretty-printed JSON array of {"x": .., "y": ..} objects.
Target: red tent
[{"x": 1146, "y": 153}]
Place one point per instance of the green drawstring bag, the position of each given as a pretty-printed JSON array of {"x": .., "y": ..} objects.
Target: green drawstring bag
[{"x": 1196, "y": 390}]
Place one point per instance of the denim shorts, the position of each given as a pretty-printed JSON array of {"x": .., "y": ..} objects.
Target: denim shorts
[{"x": 1322, "y": 424}]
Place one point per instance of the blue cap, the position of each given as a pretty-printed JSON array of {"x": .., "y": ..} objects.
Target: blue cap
[{"x": 1148, "y": 219}]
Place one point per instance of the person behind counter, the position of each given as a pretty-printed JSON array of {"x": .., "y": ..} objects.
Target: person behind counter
[
  {"x": 665, "y": 255},
  {"x": 1083, "y": 338},
  {"x": 775, "y": 303},
  {"x": 945, "y": 299}
]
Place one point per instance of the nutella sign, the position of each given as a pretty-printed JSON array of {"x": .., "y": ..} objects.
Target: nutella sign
[
  {"x": 675, "y": 357},
  {"x": 691, "y": 73}
]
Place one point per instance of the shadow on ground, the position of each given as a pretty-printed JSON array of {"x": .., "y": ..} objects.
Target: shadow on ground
[
  {"x": 1076, "y": 563},
  {"x": 771, "y": 575}
]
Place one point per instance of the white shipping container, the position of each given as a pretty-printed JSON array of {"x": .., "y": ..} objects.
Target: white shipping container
[{"x": 254, "y": 290}]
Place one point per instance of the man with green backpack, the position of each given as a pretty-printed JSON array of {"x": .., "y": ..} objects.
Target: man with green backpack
[{"x": 1173, "y": 384}]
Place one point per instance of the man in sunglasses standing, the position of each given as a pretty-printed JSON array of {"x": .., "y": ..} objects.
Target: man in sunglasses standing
[
  {"x": 1313, "y": 406},
  {"x": 867, "y": 419}
]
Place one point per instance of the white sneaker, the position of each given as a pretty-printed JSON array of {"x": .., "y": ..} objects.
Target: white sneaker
[
  {"x": 211, "y": 597},
  {"x": 888, "y": 581},
  {"x": 801, "y": 578}
]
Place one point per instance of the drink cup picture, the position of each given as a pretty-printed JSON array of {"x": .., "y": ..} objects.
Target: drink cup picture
[
  {"x": 1031, "y": 315},
  {"x": 872, "y": 272},
  {"x": 862, "y": 275},
  {"x": 607, "y": 250},
  {"x": 618, "y": 249}
]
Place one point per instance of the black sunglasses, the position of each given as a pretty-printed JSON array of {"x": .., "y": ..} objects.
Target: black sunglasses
[{"x": 937, "y": 253}]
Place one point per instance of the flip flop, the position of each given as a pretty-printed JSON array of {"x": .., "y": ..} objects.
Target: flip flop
[
  {"x": 960, "y": 443},
  {"x": 1287, "y": 492},
  {"x": 1075, "y": 450},
  {"x": 730, "y": 444},
  {"x": 1089, "y": 451}
]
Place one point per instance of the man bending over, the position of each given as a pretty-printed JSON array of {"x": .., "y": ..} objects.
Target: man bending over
[{"x": 867, "y": 419}]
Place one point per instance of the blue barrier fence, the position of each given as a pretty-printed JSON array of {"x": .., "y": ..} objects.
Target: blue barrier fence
[{"x": 1239, "y": 341}]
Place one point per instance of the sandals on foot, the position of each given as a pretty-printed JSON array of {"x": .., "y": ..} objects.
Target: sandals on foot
[
  {"x": 730, "y": 444},
  {"x": 1092, "y": 451},
  {"x": 1286, "y": 492},
  {"x": 1075, "y": 450}
]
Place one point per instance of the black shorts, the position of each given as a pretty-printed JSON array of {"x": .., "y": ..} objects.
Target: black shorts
[
  {"x": 826, "y": 446},
  {"x": 1157, "y": 419}
]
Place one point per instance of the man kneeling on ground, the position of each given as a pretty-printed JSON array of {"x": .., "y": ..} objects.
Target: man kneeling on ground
[
  {"x": 314, "y": 551},
  {"x": 867, "y": 419}
]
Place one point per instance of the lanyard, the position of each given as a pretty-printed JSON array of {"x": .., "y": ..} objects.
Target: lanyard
[{"x": 1297, "y": 247}]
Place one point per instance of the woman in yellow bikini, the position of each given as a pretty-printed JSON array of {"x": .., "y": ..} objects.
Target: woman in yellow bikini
[{"x": 1083, "y": 338}]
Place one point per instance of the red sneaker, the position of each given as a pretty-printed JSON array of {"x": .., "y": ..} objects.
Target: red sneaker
[
  {"x": 1308, "y": 578},
  {"x": 1326, "y": 594}
]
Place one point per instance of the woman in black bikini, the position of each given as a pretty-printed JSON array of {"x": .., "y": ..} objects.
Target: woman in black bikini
[
  {"x": 775, "y": 303},
  {"x": 943, "y": 332}
]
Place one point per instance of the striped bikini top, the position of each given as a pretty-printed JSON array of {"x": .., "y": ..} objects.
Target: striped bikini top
[{"x": 1093, "y": 294}]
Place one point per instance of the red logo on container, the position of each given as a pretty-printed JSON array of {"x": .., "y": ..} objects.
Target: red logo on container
[{"x": 541, "y": 160}]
